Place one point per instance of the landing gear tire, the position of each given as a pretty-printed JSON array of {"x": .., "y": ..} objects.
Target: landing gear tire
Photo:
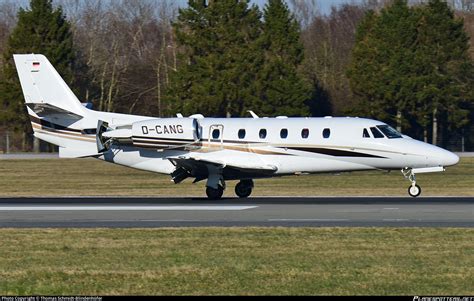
[
  {"x": 215, "y": 194},
  {"x": 414, "y": 190},
  {"x": 243, "y": 189}
]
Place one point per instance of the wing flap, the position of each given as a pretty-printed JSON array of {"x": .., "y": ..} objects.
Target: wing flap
[{"x": 247, "y": 165}]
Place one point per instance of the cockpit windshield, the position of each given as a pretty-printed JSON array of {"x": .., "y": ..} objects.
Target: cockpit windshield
[{"x": 389, "y": 131}]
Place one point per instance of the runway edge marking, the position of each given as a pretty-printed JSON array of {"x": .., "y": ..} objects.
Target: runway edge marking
[{"x": 125, "y": 208}]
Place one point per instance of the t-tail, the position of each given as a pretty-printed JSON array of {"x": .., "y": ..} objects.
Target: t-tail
[{"x": 56, "y": 114}]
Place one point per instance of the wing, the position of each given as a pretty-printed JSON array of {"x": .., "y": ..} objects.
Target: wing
[{"x": 233, "y": 167}]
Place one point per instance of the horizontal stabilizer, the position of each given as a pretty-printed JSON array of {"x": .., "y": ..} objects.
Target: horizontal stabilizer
[{"x": 48, "y": 110}]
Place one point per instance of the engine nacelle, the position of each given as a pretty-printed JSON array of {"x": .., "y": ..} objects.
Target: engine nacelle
[{"x": 167, "y": 133}]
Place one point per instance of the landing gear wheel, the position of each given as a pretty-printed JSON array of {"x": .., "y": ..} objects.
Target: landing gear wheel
[
  {"x": 414, "y": 190},
  {"x": 243, "y": 189},
  {"x": 215, "y": 194}
]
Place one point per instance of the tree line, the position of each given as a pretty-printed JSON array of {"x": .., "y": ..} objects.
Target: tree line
[
  {"x": 406, "y": 63},
  {"x": 411, "y": 66}
]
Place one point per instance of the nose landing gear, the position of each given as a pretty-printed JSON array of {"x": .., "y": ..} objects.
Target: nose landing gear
[{"x": 414, "y": 190}]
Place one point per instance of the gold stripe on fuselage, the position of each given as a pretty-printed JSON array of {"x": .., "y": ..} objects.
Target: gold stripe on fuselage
[{"x": 61, "y": 133}]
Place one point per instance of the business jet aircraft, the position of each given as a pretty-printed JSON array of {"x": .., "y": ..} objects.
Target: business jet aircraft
[{"x": 218, "y": 149}]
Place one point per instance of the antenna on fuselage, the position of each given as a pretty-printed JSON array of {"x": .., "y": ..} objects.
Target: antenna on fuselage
[{"x": 253, "y": 114}]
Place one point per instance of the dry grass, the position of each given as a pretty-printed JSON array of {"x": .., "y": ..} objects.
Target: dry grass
[
  {"x": 201, "y": 261},
  {"x": 58, "y": 177},
  {"x": 407, "y": 261}
]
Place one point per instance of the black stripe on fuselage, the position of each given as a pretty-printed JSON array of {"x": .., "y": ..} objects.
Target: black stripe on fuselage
[
  {"x": 317, "y": 150},
  {"x": 334, "y": 152}
]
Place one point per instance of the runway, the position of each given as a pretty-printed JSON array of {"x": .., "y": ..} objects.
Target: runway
[{"x": 132, "y": 212}]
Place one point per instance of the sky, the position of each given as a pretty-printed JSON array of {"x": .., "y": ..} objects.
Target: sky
[{"x": 324, "y": 5}]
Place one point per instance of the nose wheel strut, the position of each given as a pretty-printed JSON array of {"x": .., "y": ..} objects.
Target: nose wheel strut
[{"x": 414, "y": 190}]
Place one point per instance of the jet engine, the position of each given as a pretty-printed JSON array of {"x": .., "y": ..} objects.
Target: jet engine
[{"x": 160, "y": 134}]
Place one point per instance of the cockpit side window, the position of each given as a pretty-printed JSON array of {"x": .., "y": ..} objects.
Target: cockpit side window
[
  {"x": 365, "y": 134},
  {"x": 376, "y": 133},
  {"x": 390, "y": 132}
]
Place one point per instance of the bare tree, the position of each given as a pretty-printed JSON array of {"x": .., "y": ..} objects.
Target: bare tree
[
  {"x": 468, "y": 17},
  {"x": 8, "y": 18},
  {"x": 129, "y": 51},
  {"x": 328, "y": 42},
  {"x": 305, "y": 11}
]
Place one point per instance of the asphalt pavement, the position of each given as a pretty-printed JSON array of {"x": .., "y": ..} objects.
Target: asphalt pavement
[{"x": 123, "y": 212}]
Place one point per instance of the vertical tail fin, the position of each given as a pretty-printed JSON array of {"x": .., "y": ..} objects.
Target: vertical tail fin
[
  {"x": 56, "y": 115},
  {"x": 44, "y": 89}
]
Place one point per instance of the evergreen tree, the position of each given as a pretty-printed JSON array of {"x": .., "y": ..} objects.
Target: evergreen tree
[
  {"x": 363, "y": 71},
  {"x": 43, "y": 30},
  {"x": 442, "y": 80},
  {"x": 411, "y": 66},
  {"x": 221, "y": 58},
  {"x": 382, "y": 63},
  {"x": 282, "y": 90}
]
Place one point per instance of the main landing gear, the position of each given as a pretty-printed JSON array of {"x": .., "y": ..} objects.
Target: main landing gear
[
  {"x": 215, "y": 193},
  {"x": 243, "y": 189},
  {"x": 215, "y": 182},
  {"x": 414, "y": 190}
]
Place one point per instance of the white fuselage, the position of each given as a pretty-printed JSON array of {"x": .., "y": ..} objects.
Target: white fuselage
[
  {"x": 217, "y": 149},
  {"x": 345, "y": 149}
]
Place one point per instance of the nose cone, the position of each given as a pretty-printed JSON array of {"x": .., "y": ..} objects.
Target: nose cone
[
  {"x": 435, "y": 155},
  {"x": 448, "y": 158}
]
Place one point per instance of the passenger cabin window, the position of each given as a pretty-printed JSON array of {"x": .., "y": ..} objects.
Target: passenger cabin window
[
  {"x": 262, "y": 134},
  {"x": 216, "y": 133},
  {"x": 390, "y": 132},
  {"x": 376, "y": 133},
  {"x": 241, "y": 134},
  {"x": 284, "y": 133},
  {"x": 304, "y": 133},
  {"x": 326, "y": 133},
  {"x": 365, "y": 134}
]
